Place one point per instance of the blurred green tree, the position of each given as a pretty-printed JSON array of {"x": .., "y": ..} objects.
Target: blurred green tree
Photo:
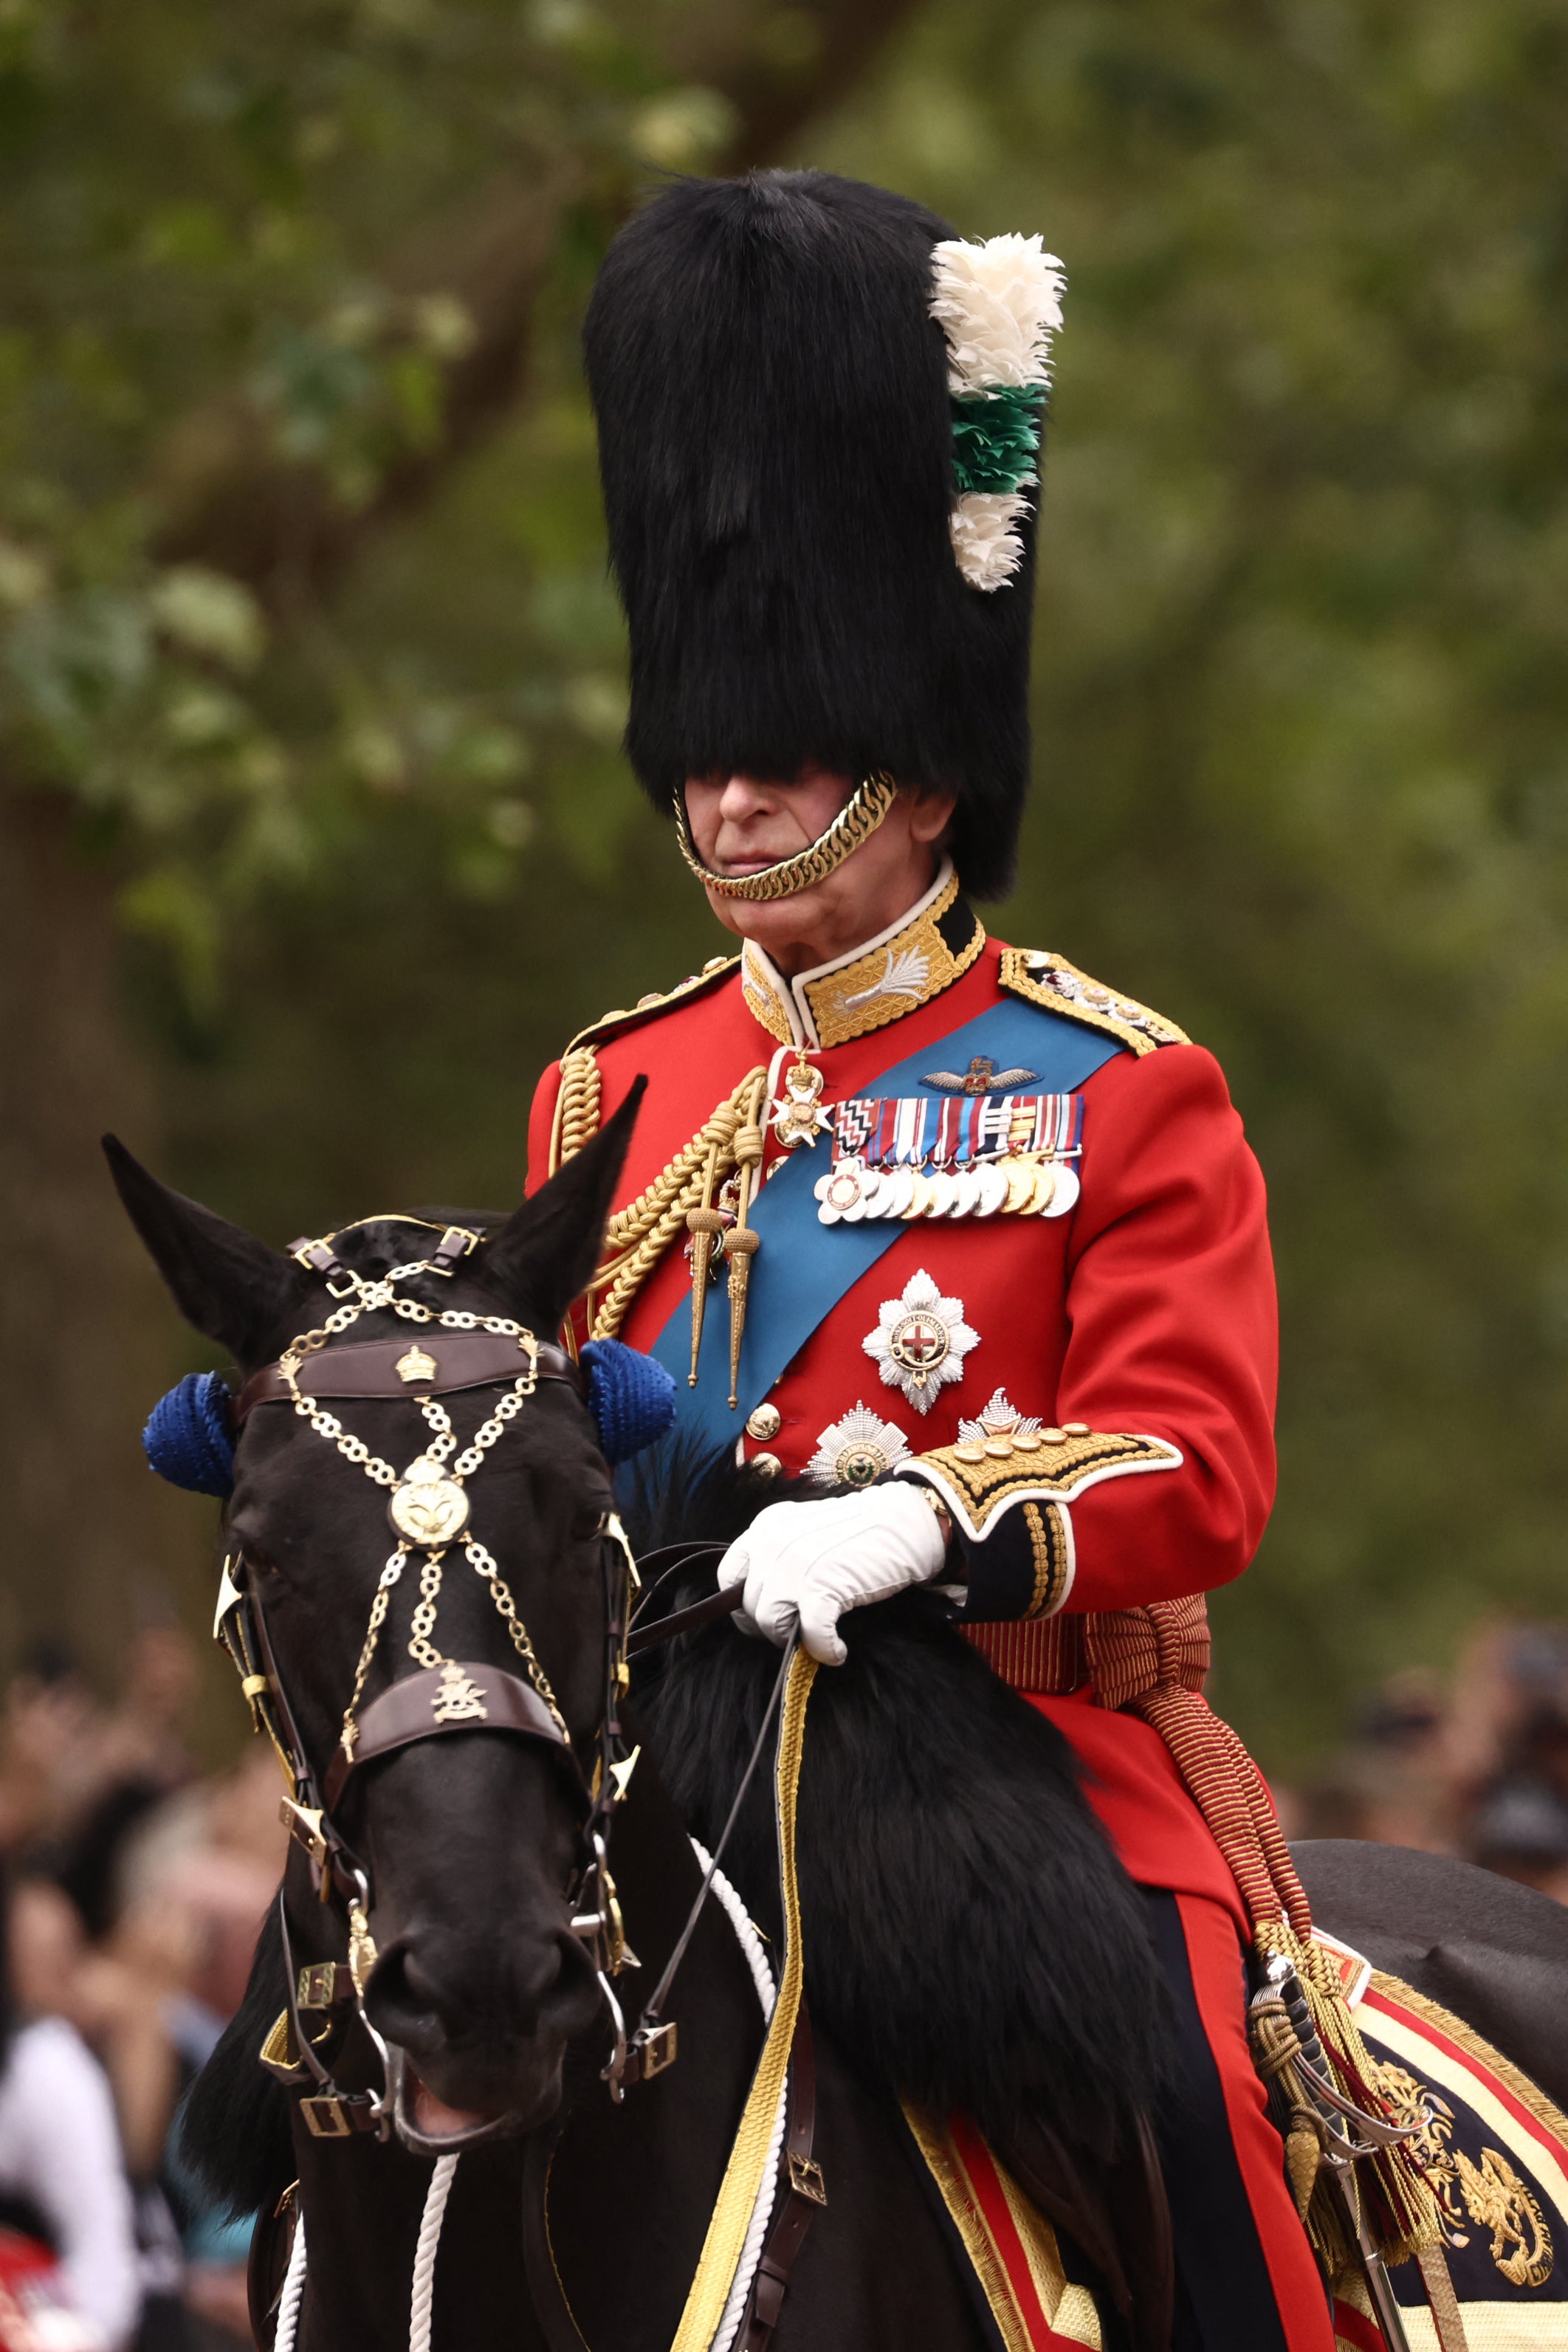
[
  {"x": 270, "y": 276},
  {"x": 310, "y": 619}
]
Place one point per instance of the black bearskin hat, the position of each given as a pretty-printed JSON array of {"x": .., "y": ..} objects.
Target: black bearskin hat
[{"x": 794, "y": 446}]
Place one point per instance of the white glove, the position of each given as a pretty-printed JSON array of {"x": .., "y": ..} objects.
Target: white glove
[{"x": 807, "y": 1562}]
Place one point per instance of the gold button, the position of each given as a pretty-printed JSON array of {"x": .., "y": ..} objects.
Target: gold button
[
  {"x": 766, "y": 1465},
  {"x": 1075, "y": 1428},
  {"x": 1000, "y": 1449},
  {"x": 765, "y": 1423},
  {"x": 969, "y": 1453},
  {"x": 715, "y": 963},
  {"x": 653, "y": 997},
  {"x": 1027, "y": 1442},
  {"x": 1053, "y": 1437}
]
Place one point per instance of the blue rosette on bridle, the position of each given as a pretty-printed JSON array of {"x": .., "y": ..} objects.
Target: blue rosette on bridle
[
  {"x": 189, "y": 1439},
  {"x": 630, "y": 1396}
]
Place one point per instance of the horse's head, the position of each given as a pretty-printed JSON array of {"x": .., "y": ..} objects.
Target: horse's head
[{"x": 469, "y": 1840}]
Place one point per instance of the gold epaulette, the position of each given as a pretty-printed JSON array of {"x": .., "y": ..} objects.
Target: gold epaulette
[
  {"x": 1050, "y": 981},
  {"x": 716, "y": 969}
]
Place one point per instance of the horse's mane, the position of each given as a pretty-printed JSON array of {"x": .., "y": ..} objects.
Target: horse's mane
[
  {"x": 232, "y": 2133},
  {"x": 971, "y": 1940}
]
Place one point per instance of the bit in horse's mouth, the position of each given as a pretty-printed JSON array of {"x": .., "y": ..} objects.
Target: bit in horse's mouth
[{"x": 428, "y": 2124}]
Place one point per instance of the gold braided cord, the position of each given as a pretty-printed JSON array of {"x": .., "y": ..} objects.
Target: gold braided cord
[
  {"x": 577, "y": 1105},
  {"x": 855, "y": 822},
  {"x": 639, "y": 1236},
  {"x": 738, "y": 2191}
]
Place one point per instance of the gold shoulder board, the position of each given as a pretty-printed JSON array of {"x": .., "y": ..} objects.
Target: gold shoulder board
[
  {"x": 1050, "y": 981},
  {"x": 717, "y": 968}
]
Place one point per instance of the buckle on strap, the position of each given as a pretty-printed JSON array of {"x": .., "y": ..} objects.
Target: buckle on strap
[
  {"x": 806, "y": 2179},
  {"x": 329, "y": 2118},
  {"x": 652, "y": 2051},
  {"x": 320, "y": 1258},
  {"x": 323, "y": 1984}
]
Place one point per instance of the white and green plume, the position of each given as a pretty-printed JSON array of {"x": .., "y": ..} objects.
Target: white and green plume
[{"x": 999, "y": 303}]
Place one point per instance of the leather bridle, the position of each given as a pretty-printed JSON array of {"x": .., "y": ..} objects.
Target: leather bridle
[
  {"x": 466, "y": 1694},
  {"x": 419, "y": 1707}
]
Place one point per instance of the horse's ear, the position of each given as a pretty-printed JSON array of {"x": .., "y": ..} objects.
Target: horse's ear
[
  {"x": 546, "y": 1253},
  {"x": 230, "y": 1284}
]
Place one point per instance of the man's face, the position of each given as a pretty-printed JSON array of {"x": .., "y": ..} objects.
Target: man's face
[{"x": 740, "y": 824}]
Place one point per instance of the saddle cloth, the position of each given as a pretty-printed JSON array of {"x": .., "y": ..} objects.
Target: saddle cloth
[
  {"x": 1011, "y": 2248},
  {"x": 1496, "y": 2153}
]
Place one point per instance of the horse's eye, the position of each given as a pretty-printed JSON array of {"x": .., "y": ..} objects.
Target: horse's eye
[{"x": 587, "y": 1523}]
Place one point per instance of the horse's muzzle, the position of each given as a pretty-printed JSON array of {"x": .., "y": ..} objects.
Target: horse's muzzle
[{"x": 478, "y": 2032}]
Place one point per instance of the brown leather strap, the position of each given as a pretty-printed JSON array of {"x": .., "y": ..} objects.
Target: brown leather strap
[
  {"x": 369, "y": 1367},
  {"x": 422, "y": 1706},
  {"x": 682, "y": 1621},
  {"x": 805, "y": 2194},
  {"x": 546, "y": 2293}
]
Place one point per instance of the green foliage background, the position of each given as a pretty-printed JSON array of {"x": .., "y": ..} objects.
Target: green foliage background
[{"x": 1302, "y": 686}]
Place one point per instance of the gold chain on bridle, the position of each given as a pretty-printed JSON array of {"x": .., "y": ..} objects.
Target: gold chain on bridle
[{"x": 430, "y": 1491}]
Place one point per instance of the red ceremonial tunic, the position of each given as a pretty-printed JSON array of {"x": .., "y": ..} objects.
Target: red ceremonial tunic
[{"x": 1149, "y": 1308}]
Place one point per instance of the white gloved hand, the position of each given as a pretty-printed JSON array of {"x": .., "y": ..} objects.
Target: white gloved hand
[{"x": 808, "y": 1563}]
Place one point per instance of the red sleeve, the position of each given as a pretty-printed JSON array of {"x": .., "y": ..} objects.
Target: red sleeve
[
  {"x": 540, "y": 1119},
  {"x": 1172, "y": 1331}
]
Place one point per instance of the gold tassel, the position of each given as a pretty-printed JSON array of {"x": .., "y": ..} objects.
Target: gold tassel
[
  {"x": 1274, "y": 2052},
  {"x": 704, "y": 1223},
  {"x": 1398, "y": 2203},
  {"x": 740, "y": 1244}
]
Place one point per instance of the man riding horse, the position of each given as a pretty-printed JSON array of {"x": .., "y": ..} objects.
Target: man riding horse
[
  {"x": 946, "y": 1228},
  {"x": 956, "y": 1260}
]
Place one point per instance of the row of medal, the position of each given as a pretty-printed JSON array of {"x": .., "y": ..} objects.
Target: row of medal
[
  {"x": 1015, "y": 1186},
  {"x": 990, "y": 1156}
]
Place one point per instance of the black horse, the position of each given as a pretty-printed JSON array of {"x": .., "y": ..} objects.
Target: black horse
[{"x": 970, "y": 1940}]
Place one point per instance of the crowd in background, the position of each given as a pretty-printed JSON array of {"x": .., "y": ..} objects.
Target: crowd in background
[
  {"x": 1474, "y": 1763},
  {"x": 135, "y": 1888}
]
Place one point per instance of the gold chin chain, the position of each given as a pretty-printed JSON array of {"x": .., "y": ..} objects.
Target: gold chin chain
[
  {"x": 427, "y": 1503},
  {"x": 855, "y": 822}
]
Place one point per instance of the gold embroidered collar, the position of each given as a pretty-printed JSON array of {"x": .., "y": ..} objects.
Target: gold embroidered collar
[{"x": 902, "y": 967}]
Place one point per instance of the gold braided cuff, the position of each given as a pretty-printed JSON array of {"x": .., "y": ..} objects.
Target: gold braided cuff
[
  {"x": 978, "y": 1481},
  {"x": 1050, "y": 1541},
  {"x": 856, "y": 820}
]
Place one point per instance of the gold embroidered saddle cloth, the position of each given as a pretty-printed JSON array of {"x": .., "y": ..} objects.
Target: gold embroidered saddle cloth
[{"x": 1496, "y": 2151}]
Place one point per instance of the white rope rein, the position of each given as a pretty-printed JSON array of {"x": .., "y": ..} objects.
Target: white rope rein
[
  {"x": 751, "y": 1942},
  {"x": 293, "y": 2290},
  {"x": 430, "y": 2223},
  {"x": 422, "y": 2298}
]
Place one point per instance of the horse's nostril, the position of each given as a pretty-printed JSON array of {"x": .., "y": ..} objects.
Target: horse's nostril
[
  {"x": 405, "y": 2004},
  {"x": 424, "y": 1997}
]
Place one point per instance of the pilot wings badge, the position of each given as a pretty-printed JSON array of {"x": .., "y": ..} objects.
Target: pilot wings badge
[{"x": 982, "y": 1077}]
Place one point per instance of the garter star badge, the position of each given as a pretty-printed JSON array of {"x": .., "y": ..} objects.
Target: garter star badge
[
  {"x": 921, "y": 1341},
  {"x": 857, "y": 1449}
]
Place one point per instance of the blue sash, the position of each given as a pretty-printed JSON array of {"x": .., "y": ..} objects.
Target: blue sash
[{"x": 803, "y": 1268}]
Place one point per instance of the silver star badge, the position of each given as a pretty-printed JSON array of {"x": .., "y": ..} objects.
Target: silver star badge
[
  {"x": 998, "y": 1420},
  {"x": 856, "y": 1449},
  {"x": 921, "y": 1341}
]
